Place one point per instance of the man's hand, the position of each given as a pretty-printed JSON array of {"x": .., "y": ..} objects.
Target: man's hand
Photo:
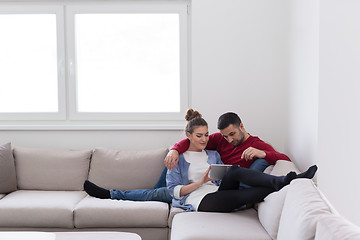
[
  {"x": 171, "y": 159},
  {"x": 252, "y": 153}
]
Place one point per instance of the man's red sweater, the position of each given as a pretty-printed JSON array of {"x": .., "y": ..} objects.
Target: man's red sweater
[{"x": 232, "y": 155}]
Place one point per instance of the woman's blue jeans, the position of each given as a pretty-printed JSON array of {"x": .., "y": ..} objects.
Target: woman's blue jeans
[{"x": 159, "y": 193}]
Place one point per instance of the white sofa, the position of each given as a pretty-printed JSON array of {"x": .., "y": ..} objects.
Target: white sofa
[
  {"x": 299, "y": 211},
  {"x": 42, "y": 190}
]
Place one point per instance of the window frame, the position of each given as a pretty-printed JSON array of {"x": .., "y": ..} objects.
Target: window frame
[{"x": 67, "y": 117}]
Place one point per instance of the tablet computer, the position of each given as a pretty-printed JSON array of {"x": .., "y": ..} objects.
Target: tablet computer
[{"x": 218, "y": 171}]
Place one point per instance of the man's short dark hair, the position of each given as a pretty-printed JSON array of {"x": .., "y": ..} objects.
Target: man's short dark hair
[{"x": 228, "y": 118}]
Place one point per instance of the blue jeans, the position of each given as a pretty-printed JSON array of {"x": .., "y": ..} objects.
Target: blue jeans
[
  {"x": 159, "y": 193},
  {"x": 258, "y": 165}
]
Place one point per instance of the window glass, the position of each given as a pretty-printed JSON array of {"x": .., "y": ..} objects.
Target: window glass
[
  {"x": 127, "y": 62},
  {"x": 28, "y": 62}
]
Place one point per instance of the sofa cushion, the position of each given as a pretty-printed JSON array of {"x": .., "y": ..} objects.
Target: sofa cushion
[
  {"x": 94, "y": 212},
  {"x": 50, "y": 169},
  {"x": 98, "y": 235},
  {"x": 269, "y": 211},
  {"x": 27, "y": 235},
  {"x": 304, "y": 205},
  {"x": 7, "y": 169},
  {"x": 213, "y": 226},
  {"x": 2, "y": 195},
  {"x": 335, "y": 227},
  {"x": 44, "y": 209},
  {"x": 126, "y": 169},
  {"x": 283, "y": 167},
  {"x": 173, "y": 212}
]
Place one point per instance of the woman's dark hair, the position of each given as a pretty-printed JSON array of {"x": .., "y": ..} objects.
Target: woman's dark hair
[
  {"x": 228, "y": 118},
  {"x": 194, "y": 119}
]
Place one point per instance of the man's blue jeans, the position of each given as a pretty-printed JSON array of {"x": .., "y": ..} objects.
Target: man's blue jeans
[{"x": 159, "y": 193}]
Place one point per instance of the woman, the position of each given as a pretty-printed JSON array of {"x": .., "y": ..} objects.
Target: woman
[{"x": 193, "y": 190}]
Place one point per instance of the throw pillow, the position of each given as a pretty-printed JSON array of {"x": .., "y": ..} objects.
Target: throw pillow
[
  {"x": 7, "y": 169},
  {"x": 283, "y": 167},
  {"x": 269, "y": 211}
]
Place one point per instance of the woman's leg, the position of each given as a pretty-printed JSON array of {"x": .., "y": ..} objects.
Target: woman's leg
[
  {"x": 227, "y": 201},
  {"x": 96, "y": 191},
  {"x": 159, "y": 194},
  {"x": 253, "y": 178}
]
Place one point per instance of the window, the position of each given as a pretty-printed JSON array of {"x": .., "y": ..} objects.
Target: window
[
  {"x": 124, "y": 61},
  {"x": 30, "y": 49}
]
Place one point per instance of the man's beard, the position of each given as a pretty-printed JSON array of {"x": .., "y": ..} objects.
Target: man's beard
[{"x": 240, "y": 141}]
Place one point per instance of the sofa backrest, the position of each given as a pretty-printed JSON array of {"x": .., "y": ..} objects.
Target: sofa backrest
[
  {"x": 303, "y": 207},
  {"x": 126, "y": 169},
  {"x": 51, "y": 169}
]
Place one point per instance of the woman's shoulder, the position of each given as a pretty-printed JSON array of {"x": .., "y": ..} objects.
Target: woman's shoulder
[{"x": 213, "y": 152}]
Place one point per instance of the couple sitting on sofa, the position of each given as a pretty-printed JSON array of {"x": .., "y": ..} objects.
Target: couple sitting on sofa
[{"x": 188, "y": 183}]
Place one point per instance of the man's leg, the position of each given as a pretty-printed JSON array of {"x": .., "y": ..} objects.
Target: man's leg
[
  {"x": 159, "y": 194},
  {"x": 230, "y": 200},
  {"x": 259, "y": 165},
  {"x": 254, "y": 178}
]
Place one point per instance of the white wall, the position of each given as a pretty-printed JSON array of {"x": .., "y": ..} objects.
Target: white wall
[
  {"x": 303, "y": 82},
  {"x": 238, "y": 63},
  {"x": 339, "y": 105},
  {"x": 324, "y": 111}
]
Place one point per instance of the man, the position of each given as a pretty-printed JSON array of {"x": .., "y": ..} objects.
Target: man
[{"x": 235, "y": 146}]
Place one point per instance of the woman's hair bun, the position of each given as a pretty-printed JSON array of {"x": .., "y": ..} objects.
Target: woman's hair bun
[{"x": 191, "y": 113}]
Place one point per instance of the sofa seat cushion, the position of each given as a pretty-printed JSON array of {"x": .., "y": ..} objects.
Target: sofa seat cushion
[
  {"x": 26, "y": 208},
  {"x": 2, "y": 195},
  {"x": 93, "y": 212},
  {"x": 207, "y": 226}
]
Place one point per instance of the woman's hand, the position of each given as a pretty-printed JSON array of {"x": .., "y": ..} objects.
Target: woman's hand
[
  {"x": 205, "y": 177},
  {"x": 195, "y": 185}
]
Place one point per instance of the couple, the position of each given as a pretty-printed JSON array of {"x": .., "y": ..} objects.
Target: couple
[{"x": 188, "y": 184}]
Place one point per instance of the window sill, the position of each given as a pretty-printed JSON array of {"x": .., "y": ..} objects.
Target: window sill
[{"x": 93, "y": 127}]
